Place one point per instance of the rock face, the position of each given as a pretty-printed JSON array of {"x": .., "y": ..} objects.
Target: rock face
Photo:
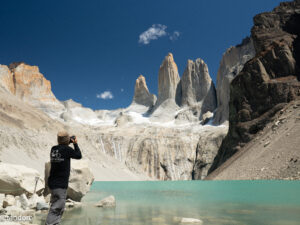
[
  {"x": 207, "y": 149},
  {"x": 30, "y": 84},
  {"x": 17, "y": 179},
  {"x": 231, "y": 64},
  {"x": 80, "y": 181},
  {"x": 168, "y": 79},
  {"x": 142, "y": 96},
  {"x": 268, "y": 81},
  {"x": 6, "y": 79},
  {"x": 169, "y": 154},
  {"x": 197, "y": 86}
]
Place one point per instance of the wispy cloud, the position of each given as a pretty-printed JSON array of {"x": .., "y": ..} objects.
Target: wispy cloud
[
  {"x": 156, "y": 31},
  {"x": 105, "y": 95},
  {"x": 153, "y": 33},
  {"x": 174, "y": 36}
]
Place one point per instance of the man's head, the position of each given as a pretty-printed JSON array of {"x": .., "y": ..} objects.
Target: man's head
[{"x": 63, "y": 138}]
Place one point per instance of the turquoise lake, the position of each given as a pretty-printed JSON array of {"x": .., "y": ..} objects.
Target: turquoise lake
[{"x": 214, "y": 202}]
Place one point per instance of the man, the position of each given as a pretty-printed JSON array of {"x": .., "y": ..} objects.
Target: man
[{"x": 59, "y": 174}]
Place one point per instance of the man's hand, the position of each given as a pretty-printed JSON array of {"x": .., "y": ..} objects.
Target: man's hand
[{"x": 75, "y": 140}]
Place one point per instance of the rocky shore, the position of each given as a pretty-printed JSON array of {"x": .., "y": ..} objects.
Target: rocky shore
[{"x": 24, "y": 192}]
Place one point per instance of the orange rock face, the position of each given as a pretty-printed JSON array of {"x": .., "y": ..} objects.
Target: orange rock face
[{"x": 30, "y": 84}]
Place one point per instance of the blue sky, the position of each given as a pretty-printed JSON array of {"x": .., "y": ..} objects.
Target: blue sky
[{"x": 92, "y": 51}]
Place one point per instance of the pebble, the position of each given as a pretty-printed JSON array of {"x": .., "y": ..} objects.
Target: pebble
[{"x": 267, "y": 143}]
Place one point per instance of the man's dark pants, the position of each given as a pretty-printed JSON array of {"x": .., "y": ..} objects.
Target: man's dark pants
[{"x": 57, "y": 207}]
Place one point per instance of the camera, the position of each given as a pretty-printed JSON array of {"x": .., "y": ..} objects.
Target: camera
[{"x": 72, "y": 139}]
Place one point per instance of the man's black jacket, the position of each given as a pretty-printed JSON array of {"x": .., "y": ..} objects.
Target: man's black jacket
[{"x": 60, "y": 156}]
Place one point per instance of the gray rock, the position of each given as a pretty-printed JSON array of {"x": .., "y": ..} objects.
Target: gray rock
[
  {"x": 207, "y": 149},
  {"x": 34, "y": 200},
  {"x": 108, "y": 202},
  {"x": 197, "y": 86},
  {"x": 191, "y": 220},
  {"x": 24, "y": 201},
  {"x": 80, "y": 181},
  {"x": 2, "y": 196},
  {"x": 168, "y": 79},
  {"x": 42, "y": 206},
  {"x": 231, "y": 64},
  {"x": 17, "y": 179},
  {"x": 185, "y": 220},
  {"x": 165, "y": 112},
  {"x": 142, "y": 96},
  {"x": 71, "y": 204},
  {"x": 206, "y": 117},
  {"x": 9, "y": 200}
]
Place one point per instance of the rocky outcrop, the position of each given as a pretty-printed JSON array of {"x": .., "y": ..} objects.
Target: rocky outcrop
[
  {"x": 231, "y": 64},
  {"x": 170, "y": 154},
  {"x": 268, "y": 81},
  {"x": 207, "y": 149},
  {"x": 6, "y": 79},
  {"x": 168, "y": 79},
  {"x": 169, "y": 91},
  {"x": 197, "y": 86},
  {"x": 142, "y": 96},
  {"x": 30, "y": 85},
  {"x": 18, "y": 179},
  {"x": 80, "y": 181}
]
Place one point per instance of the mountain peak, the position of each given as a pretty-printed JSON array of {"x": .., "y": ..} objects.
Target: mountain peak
[{"x": 142, "y": 95}]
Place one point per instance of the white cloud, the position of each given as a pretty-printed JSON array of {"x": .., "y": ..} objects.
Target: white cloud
[
  {"x": 174, "y": 36},
  {"x": 105, "y": 95},
  {"x": 122, "y": 89},
  {"x": 153, "y": 33}
]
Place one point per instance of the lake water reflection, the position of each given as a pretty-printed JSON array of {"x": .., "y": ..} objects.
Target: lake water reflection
[{"x": 214, "y": 202}]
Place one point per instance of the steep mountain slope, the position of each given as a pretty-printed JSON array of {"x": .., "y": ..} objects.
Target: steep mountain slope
[
  {"x": 273, "y": 153},
  {"x": 267, "y": 82}
]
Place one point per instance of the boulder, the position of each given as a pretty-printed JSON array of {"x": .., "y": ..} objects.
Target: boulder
[
  {"x": 34, "y": 200},
  {"x": 42, "y": 206},
  {"x": 107, "y": 202},
  {"x": 24, "y": 201},
  {"x": 80, "y": 181},
  {"x": 185, "y": 220},
  {"x": 9, "y": 200},
  {"x": 18, "y": 179},
  {"x": 71, "y": 204},
  {"x": 191, "y": 220}
]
